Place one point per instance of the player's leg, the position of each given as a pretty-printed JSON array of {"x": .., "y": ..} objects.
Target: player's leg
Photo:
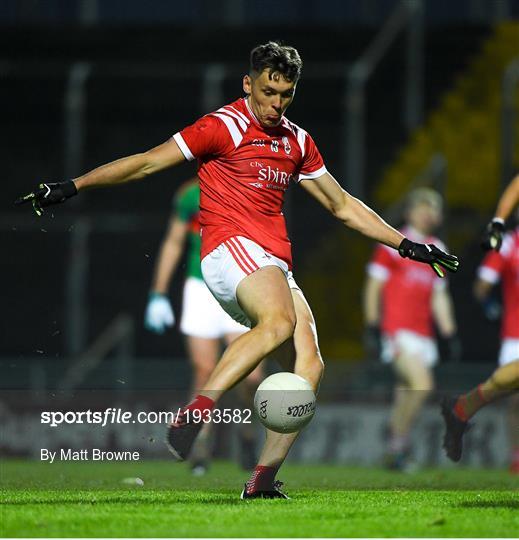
[
  {"x": 203, "y": 355},
  {"x": 265, "y": 299},
  {"x": 302, "y": 356},
  {"x": 199, "y": 325},
  {"x": 513, "y": 430},
  {"x": 458, "y": 411},
  {"x": 502, "y": 382},
  {"x": 414, "y": 387},
  {"x": 247, "y": 431}
]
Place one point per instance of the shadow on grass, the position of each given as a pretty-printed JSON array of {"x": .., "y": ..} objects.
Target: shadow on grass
[{"x": 511, "y": 503}]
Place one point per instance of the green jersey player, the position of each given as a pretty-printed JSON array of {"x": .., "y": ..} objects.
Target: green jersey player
[{"x": 203, "y": 322}]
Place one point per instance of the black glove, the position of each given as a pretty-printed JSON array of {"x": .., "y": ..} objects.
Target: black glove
[
  {"x": 454, "y": 349},
  {"x": 493, "y": 236},
  {"x": 372, "y": 342},
  {"x": 430, "y": 254},
  {"x": 49, "y": 194}
]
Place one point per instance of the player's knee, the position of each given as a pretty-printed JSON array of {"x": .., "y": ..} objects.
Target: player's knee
[
  {"x": 423, "y": 384},
  {"x": 277, "y": 329},
  {"x": 506, "y": 378}
]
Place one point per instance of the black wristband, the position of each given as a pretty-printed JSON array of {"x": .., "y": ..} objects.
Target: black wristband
[
  {"x": 405, "y": 247},
  {"x": 69, "y": 188},
  {"x": 497, "y": 224}
]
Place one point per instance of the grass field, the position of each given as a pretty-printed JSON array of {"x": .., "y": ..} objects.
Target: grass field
[{"x": 90, "y": 499}]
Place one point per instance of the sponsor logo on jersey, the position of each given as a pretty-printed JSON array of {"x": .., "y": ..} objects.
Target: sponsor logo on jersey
[{"x": 275, "y": 176}]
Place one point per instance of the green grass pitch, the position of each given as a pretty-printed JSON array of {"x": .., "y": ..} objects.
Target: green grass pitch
[{"x": 89, "y": 499}]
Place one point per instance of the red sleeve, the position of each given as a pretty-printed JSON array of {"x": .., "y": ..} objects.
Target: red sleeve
[
  {"x": 382, "y": 263},
  {"x": 207, "y": 136},
  {"x": 312, "y": 165}
]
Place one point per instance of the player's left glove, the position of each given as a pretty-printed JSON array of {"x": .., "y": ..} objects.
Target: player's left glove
[
  {"x": 430, "y": 254},
  {"x": 48, "y": 194},
  {"x": 493, "y": 236},
  {"x": 159, "y": 313}
]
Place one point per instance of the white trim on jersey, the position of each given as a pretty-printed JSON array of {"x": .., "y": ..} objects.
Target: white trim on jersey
[
  {"x": 378, "y": 271},
  {"x": 488, "y": 274},
  {"x": 239, "y": 113},
  {"x": 232, "y": 127},
  {"x": 301, "y": 139},
  {"x": 241, "y": 123},
  {"x": 313, "y": 175},
  {"x": 183, "y": 147}
]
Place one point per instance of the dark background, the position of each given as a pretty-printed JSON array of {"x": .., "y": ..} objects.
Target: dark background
[{"x": 147, "y": 62}]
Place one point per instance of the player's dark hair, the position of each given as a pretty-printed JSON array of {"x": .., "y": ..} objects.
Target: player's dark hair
[{"x": 276, "y": 57}]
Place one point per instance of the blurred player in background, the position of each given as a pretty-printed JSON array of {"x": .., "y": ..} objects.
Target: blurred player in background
[
  {"x": 203, "y": 322},
  {"x": 249, "y": 153},
  {"x": 402, "y": 301},
  {"x": 502, "y": 265}
]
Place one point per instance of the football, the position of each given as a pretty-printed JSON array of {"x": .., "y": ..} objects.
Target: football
[{"x": 284, "y": 402}]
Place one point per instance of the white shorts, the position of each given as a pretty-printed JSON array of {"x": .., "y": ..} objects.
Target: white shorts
[
  {"x": 202, "y": 316},
  {"x": 409, "y": 343},
  {"x": 229, "y": 263},
  {"x": 509, "y": 351}
]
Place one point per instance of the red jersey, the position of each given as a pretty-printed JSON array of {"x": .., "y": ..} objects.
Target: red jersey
[
  {"x": 244, "y": 170},
  {"x": 408, "y": 287},
  {"x": 504, "y": 266}
]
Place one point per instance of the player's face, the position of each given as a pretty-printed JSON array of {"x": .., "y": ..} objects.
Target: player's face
[
  {"x": 270, "y": 94},
  {"x": 425, "y": 218}
]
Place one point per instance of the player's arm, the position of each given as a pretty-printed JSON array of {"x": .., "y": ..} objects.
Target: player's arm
[
  {"x": 356, "y": 215},
  {"x": 169, "y": 255},
  {"x": 483, "y": 293},
  {"x": 493, "y": 236},
  {"x": 159, "y": 313},
  {"x": 372, "y": 301},
  {"x": 123, "y": 170},
  {"x": 351, "y": 211},
  {"x": 509, "y": 200},
  {"x": 482, "y": 289},
  {"x": 443, "y": 314},
  {"x": 488, "y": 276}
]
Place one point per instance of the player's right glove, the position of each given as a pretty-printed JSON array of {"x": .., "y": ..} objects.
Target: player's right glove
[
  {"x": 493, "y": 236},
  {"x": 159, "y": 313},
  {"x": 48, "y": 194},
  {"x": 430, "y": 254}
]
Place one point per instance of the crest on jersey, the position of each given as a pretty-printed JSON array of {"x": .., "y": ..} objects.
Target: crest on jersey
[
  {"x": 274, "y": 146},
  {"x": 286, "y": 145}
]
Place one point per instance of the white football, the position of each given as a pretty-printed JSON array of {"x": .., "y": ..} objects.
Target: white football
[{"x": 284, "y": 402}]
